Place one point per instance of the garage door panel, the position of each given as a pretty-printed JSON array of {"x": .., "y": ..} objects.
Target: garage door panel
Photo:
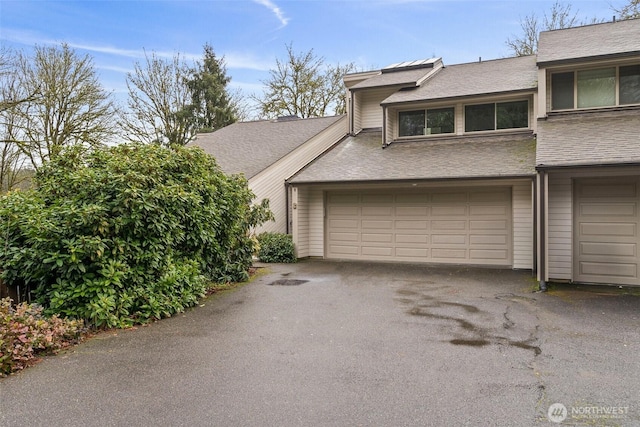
[
  {"x": 411, "y": 225},
  {"x": 377, "y": 251},
  {"x": 382, "y": 238},
  {"x": 488, "y": 225},
  {"x": 449, "y": 225},
  {"x": 488, "y": 210},
  {"x": 426, "y": 226},
  {"x": 449, "y": 211},
  {"x": 599, "y": 190},
  {"x": 450, "y": 197},
  {"x": 418, "y": 253},
  {"x": 412, "y": 198},
  {"x": 612, "y": 269},
  {"x": 606, "y": 232},
  {"x": 487, "y": 239},
  {"x": 497, "y": 254},
  {"x": 486, "y": 196},
  {"x": 340, "y": 198},
  {"x": 377, "y": 198},
  {"x": 376, "y": 210},
  {"x": 608, "y": 229},
  {"x": 608, "y": 210},
  {"x": 344, "y": 210},
  {"x": 449, "y": 239},
  {"x": 608, "y": 249},
  {"x": 344, "y": 250},
  {"x": 344, "y": 237},
  {"x": 376, "y": 224},
  {"x": 412, "y": 238},
  {"x": 421, "y": 211}
]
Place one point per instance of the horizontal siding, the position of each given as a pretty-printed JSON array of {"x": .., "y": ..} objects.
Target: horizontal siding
[
  {"x": 369, "y": 109},
  {"x": 316, "y": 223},
  {"x": 522, "y": 226},
  {"x": 270, "y": 183},
  {"x": 301, "y": 226},
  {"x": 559, "y": 235}
]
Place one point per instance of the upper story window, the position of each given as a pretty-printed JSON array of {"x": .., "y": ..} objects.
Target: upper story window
[
  {"x": 431, "y": 121},
  {"x": 496, "y": 116},
  {"x": 602, "y": 87}
]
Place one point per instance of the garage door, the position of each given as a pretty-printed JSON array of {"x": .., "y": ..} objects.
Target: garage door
[
  {"x": 441, "y": 226},
  {"x": 606, "y": 231}
]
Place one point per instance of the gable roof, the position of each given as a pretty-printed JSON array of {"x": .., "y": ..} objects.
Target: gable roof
[
  {"x": 620, "y": 38},
  {"x": 361, "y": 158},
  {"x": 474, "y": 78},
  {"x": 251, "y": 147},
  {"x": 589, "y": 138}
]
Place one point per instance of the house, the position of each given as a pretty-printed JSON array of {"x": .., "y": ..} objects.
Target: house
[
  {"x": 267, "y": 152},
  {"x": 526, "y": 163},
  {"x": 588, "y": 153}
]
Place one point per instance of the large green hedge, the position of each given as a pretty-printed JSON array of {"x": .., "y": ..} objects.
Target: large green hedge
[{"x": 127, "y": 234}]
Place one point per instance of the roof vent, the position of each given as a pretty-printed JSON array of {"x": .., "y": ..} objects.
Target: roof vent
[{"x": 287, "y": 118}]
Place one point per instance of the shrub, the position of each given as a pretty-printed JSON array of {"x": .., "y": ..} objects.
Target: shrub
[
  {"x": 127, "y": 234},
  {"x": 25, "y": 334},
  {"x": 276, "y": 247}
]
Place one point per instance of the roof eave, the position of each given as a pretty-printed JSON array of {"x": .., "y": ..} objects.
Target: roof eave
[
  {"x": 570, "y": 61},
  {"x": 532, "y": 90}
]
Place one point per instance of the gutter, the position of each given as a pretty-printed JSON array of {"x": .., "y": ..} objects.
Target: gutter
[{"x": 543, "y": 167}]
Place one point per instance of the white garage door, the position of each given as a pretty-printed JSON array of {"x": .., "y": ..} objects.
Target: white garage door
[
  {"x": 606, "y": 231},
  {"x": 471, "y": 226}
]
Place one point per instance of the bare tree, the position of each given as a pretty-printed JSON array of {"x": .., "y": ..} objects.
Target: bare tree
[
  {"x": 158, "y": 102},
  {"x": 305, "y": 86},
  {"x": 560, "y": 16},
  {"x": 628, "y": 11},
  {"x": 56, "y": 100}
]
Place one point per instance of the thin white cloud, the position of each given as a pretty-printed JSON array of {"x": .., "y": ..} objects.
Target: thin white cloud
[
  {"x": 232, "y": 60},
  {"x": 276, "y": 11}
]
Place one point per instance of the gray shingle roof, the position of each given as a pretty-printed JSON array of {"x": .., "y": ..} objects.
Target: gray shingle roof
[
  {"x": 589, "y": 138},
  {"x": 406, "y": 78},
  {"x": 590, "y": 41},
  {"x": 250, "y": 147},
  {"x": 475, "y": 78},
  {"x": 361, "y": 158}
]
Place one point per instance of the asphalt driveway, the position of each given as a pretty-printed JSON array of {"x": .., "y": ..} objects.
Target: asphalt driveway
[{"x": 356, "y": 344}]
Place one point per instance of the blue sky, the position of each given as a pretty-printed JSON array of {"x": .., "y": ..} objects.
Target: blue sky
[{"x": 251, "y": 34}]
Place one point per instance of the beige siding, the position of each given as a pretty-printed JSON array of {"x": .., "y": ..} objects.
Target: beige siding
[
  {"x": 300, "y": 216},
  {"x": 316, "y": 223},
  {"x": 522, "y": 226},
  {"x": 270, "y": 183},
  {"x": 560, "y": 228},
  {"x": 369, "y": 111}
]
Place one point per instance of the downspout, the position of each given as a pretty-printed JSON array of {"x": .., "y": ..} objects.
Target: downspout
[
  {"x": 542, "y": 186},
  {"x": 287, "y": 187},
  {"x": 352, "y": 125},
  {"x": 384, "y": 127}
]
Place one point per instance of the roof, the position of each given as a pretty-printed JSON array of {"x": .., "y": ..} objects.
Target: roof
[
  {"x": 361, "y": 158},
  {"x": 589, "y": 138},
  {"x": 475, "y": 78},
  {"x": 590, "y": 41},
  {"x": 406, "y": 74},
  {"x": 251, "y": 147}
]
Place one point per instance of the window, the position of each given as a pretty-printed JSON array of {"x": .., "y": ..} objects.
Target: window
[
  {"x": 602, "y": 87},
  {"x": 499, "y": 115},
  {"x": 426, "y": 122}
]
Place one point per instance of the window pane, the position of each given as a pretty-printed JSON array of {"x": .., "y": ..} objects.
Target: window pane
[
  {"x": 411, "y": 123},
  {"x": 512, "y": 115},
  {"x": 630, "y": 85},
  {"x": 597, "y": 88},
  {"x": 479, "y": 117},
  {"x": 440, "y": 121},
  {"x": 562, "y": 91}
]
